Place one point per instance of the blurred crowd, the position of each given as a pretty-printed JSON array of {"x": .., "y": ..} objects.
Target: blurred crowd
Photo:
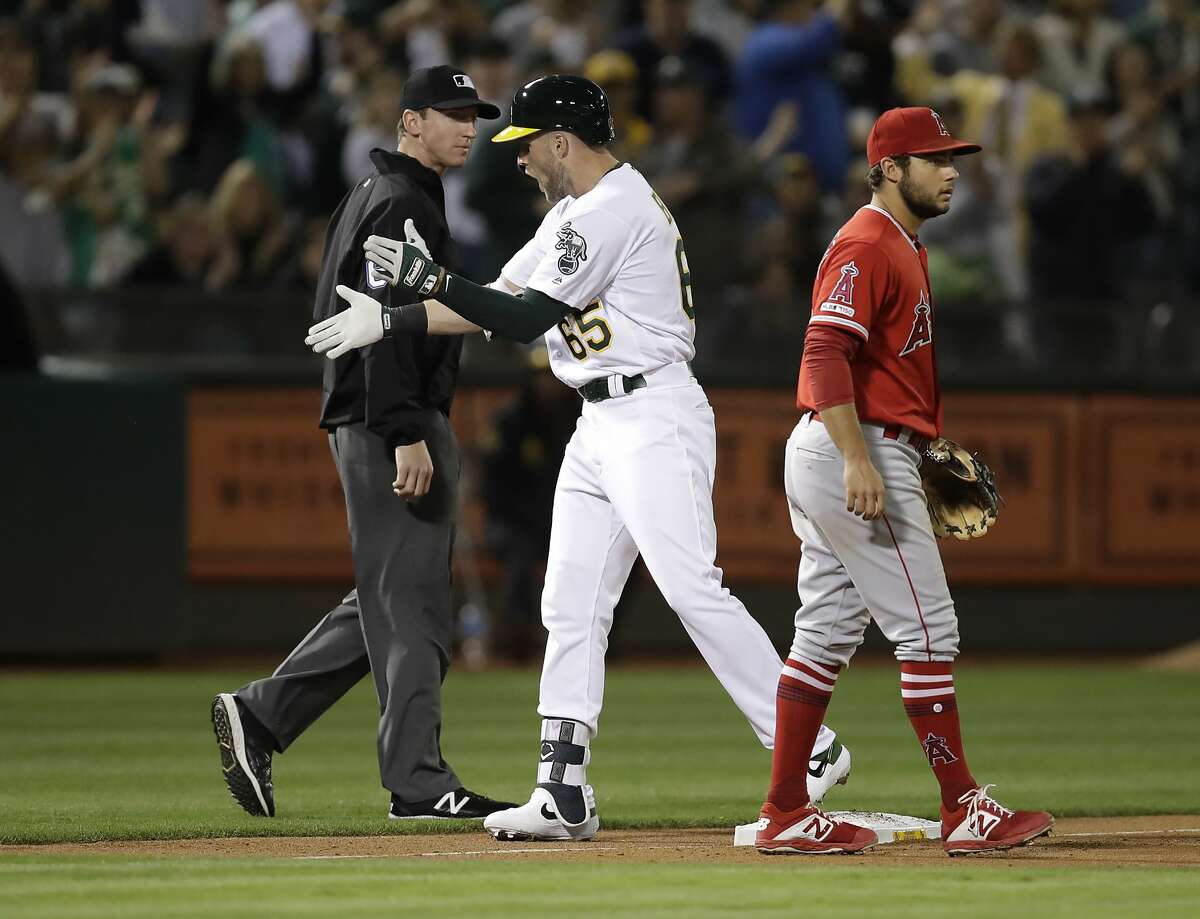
[{"x": 205, "y": 143}]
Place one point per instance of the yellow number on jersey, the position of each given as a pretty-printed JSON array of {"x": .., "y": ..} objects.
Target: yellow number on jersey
[
  {"x": 685, "y": 273},
  {"x": 583, "y": 332}
]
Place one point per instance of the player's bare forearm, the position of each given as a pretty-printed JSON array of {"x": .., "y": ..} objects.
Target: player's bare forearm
[
  {"x": 864, "y": 485},
  {"x": 441, "y": 320}
]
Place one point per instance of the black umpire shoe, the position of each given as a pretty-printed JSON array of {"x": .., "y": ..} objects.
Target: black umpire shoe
[
  {"x": 459, "y": 804},
  {"x": 247, "y": 767}
]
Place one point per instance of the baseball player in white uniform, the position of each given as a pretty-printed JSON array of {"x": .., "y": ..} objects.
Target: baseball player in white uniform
[{"x": 605, "y": 279}]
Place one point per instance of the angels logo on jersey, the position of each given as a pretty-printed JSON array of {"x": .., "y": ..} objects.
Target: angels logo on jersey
[
  {"x": 574, "y": 249},
  {"x": 841, "y": 298},
  {"x": 922, "y": 328},
  {"x": 843, "y": 291}
]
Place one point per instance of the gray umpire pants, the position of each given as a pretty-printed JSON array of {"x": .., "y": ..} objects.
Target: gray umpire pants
[{"x": 396, "y": 624}]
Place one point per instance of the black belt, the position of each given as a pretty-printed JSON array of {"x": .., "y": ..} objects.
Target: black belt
[{"x": 598, "y": 391}]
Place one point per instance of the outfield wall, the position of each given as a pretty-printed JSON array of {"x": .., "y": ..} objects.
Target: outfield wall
[
  {"x": 1098, "y": 489},
  {"x": 147, "y": 517}
]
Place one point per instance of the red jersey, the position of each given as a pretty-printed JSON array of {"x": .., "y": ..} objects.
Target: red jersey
[{"x": 873, "y": 282}]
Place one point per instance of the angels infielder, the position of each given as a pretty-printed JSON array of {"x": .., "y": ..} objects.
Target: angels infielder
[
  {"x": 606, "y": 279},
  {"x": 869, "y": 390}
]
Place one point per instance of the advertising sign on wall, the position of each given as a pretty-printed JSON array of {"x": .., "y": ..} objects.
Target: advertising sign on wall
[{"x": 1096, "y": 490}]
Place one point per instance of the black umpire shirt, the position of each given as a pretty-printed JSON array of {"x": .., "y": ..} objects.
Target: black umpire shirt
[{"x": 392, "y": 384}]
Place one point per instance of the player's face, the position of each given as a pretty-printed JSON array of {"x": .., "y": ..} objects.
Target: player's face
[
  {"x": 448, "y": 134},
  {"x": 928, "y": 183},
  {"x": 535, "y": 157}
]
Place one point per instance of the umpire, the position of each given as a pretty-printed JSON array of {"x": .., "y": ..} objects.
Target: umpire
[{"x": 386, "y": 408}]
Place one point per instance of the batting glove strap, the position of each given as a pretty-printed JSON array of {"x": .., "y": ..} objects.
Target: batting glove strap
[{"x": 419, "y": 273}]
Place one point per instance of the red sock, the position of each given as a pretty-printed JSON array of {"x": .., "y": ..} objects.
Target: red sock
[
  {"x": 805, "y": 688},
  {"x": 928, "y": 693}
]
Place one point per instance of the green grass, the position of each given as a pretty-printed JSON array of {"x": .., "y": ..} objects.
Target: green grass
[
  {"x": 128, "y": 887},
  {"x": 91, "y": 756}
]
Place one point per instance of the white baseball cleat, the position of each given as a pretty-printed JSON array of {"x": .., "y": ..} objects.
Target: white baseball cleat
[
  {"x": 539, "y": 820},
  {"x": 830, "y": 768}
]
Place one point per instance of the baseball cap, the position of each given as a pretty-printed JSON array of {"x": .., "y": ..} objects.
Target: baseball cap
[
  {"x": 443, "y": 87},
  {"x": 912, "y": 130}
]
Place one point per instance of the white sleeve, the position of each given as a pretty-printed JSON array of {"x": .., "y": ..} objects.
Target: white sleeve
[
  {"x": 588, "y": 250},
  {"x": 520, "y": 267}
]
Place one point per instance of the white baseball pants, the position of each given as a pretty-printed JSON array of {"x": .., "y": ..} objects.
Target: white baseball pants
[{"x": 638, "y": 477}]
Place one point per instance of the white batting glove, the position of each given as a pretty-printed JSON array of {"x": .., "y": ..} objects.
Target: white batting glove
[
  {"x": 388, "y": 253},
  {"x": 356, "y": 327}
]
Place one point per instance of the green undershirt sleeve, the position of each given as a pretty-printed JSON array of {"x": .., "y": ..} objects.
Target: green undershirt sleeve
[{"x": 524, "y": 317}]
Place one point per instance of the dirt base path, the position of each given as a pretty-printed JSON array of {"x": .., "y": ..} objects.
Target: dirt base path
[{"x": 1091, "y": 841}]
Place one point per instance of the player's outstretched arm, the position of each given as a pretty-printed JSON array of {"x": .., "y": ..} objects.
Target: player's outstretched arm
[
  {"x": 364, "y": 323},
  {"x": 408, "y": 265}
]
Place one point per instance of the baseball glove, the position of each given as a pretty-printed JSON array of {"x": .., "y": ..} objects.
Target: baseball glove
[{"x": 960, "y": 490}]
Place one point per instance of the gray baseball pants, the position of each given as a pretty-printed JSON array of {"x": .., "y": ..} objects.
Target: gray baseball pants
[
  {"x": 395, "y": 624},
  {"x": 854, "y": 570}
]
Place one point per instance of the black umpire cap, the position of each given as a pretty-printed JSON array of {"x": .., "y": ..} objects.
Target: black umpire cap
[
  {"x": 444, "y": 87},
  {"x": 560, "y": 102}
]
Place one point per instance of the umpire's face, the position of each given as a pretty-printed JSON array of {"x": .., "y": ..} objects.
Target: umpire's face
[{"x": 448, "y": 134}]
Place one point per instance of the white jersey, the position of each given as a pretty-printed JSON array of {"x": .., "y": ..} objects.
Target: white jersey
[{"x": 615, "y": 256}]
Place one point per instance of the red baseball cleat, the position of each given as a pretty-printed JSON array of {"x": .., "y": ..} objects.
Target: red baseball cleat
[
  {"x": 982, "y": 824},
  {"x": 808, "y": 831}
]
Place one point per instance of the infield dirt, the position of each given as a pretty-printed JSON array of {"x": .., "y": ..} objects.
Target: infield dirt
[{"x": 1083, "y": 841}]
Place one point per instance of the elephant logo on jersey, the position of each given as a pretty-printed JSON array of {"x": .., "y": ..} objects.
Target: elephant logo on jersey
[
  {"x": 936, "y": 750},
  {"x": 922, "y": 328},
  {"x": 574, "y": 249}
]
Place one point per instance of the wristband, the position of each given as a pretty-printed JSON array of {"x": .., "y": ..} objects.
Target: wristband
[{"x": 412, "y": 317}]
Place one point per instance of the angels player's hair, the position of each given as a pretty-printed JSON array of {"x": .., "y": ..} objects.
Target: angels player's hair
[{"x": 875, "y": 176}]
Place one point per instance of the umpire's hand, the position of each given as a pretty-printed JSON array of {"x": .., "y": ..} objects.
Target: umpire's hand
[
  {"x": 356, "y": 327},
  {"x": 414, "y": 470}
]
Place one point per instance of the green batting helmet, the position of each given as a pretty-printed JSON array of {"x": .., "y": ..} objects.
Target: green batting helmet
[{"x": 560, "y": 102}]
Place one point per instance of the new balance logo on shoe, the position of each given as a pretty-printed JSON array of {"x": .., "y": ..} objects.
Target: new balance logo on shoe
[
  {"x": 984, "y": 824},
  {"x": 817, "y": 827},
  {"x": 450, "y": 802}
]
